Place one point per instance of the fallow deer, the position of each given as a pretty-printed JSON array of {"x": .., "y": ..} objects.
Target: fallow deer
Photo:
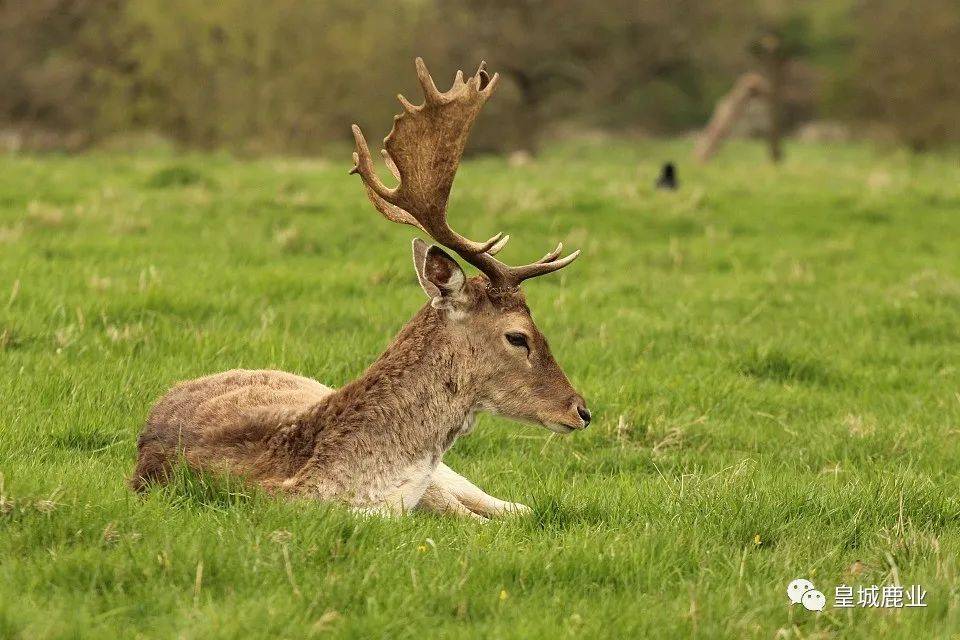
[{"x": 377, "y": 443}]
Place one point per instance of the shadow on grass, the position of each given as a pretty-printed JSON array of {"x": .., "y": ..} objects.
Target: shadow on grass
[
  {"x": 783, "y": 367},
  {"x": 922, "y": 325},
  {"x": 178, "y": 176}
]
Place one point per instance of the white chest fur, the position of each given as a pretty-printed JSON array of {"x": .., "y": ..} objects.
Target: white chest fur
[
  {"x": 413, "y": 480},
  {"x": 400, "y": 490}
]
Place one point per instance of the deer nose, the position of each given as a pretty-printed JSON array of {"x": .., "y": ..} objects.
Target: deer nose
[{"x": 584, "y": 414}]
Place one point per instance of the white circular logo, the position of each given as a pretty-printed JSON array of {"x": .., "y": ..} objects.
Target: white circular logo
[
  {"x": 813, "y": 600},
  {"x": 797, "y": 588}
]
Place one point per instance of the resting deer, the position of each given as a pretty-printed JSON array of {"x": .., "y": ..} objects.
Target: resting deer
[{"x": 377, "y": 443}]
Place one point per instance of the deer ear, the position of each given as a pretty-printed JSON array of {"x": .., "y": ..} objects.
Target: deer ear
[{"x": 440, "y": 276}]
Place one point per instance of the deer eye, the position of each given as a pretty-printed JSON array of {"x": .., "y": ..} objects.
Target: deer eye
[{"x": 517, "y": 339}]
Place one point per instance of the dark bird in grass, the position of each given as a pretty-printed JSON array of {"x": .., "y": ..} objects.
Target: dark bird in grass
[{"x": 668, "y": 177}]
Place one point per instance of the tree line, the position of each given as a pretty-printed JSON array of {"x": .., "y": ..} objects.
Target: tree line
[{"x": 291, "y": 75}]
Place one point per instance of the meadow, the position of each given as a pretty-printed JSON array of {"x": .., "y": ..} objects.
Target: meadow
[{"x": 771, "y": 354}]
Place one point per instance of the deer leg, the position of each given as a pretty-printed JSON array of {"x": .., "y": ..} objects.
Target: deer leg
[
  {"x": 438, "y": 499},
  {"x": 472, "y": 497}
]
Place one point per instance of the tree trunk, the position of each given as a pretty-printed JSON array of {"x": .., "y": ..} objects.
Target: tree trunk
[
  {"x": 528, "y": 118},
  {"x": 775, "y": 102},
  {"x": 729, "y": 109}
]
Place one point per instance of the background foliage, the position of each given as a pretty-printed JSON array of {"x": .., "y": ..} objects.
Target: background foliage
[{"x": 291, "y": 75}]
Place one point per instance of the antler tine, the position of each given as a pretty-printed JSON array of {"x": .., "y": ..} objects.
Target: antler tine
[
  {"x": 503, "y": 276},
  {"x": 387, "y": 160},
  {"x": 430, "y": 91},
  {"x": 495, "y": 243},
  {"x": 491, "y": 85},
  {"x": 363, "y": 164},
  {"x": 498, "y": 247},
  {"x": 408, "y": 106},
  {"x": 485, "y": 83},
  {"x": 519, "y": 274},
  {"x": 553, "y": 255}
]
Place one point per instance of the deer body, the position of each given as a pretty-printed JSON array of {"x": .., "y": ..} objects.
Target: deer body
[{"x": 377, "y": 443}]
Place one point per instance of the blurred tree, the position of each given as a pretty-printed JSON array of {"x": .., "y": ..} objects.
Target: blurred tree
[
  {"x": 264, "y": 77},
  {"x": 728, "y": 111},
  {"x": 775, "y": 48},
  {"x": 56, "y": 61},
  {"x": 905, "y": 73},
  {"x": 617, "y": 63},
  {"x": 542, "y": 48},
  {"x": 291, "y": 75}
]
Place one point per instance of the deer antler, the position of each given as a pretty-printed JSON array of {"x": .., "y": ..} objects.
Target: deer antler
[{"x": 423, "y": 152}]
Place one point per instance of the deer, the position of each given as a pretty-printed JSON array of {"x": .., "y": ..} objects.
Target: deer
[{"x": 377, "y": 443}]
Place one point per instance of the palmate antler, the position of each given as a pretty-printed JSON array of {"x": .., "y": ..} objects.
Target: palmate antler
[{"x": 423, "y": 152}]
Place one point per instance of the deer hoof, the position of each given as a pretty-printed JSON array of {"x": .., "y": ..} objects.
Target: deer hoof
[{"x": 516, "y": 509}]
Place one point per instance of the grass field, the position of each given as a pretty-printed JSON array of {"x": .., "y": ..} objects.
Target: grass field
[{"x": 772, "y": 356}]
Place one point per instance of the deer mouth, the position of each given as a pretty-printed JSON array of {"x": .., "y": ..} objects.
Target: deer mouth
[
  {"x": 562, "y": 429},
  {"x": 565, "y": 425}
]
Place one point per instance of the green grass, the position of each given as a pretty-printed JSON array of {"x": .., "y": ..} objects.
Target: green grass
[{"x": 772, "y": 356}]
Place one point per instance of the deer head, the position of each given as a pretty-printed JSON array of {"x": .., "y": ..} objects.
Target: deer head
[{"x": 488, "y": 314}]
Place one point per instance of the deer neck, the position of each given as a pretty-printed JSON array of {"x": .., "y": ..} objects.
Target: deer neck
[{"x": 413, "y": 401}]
